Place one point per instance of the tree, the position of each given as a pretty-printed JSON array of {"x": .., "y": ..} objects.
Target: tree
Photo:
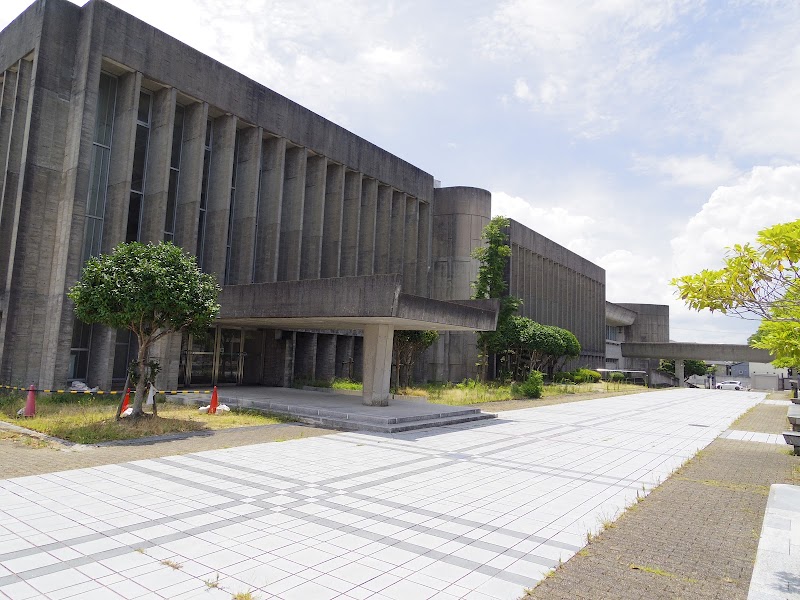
[
  {"x": 759, "y": 281},
  {"x": 151, "y": 290},
  {"x": 491, "y": 281},
  {"x": 408, "y": 345},
  {"x": 690, "y": 367}
]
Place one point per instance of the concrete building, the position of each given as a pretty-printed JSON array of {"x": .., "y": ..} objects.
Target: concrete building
[
  {"x": 113, "y": 131},
  {"x": 627, "y": 322}
]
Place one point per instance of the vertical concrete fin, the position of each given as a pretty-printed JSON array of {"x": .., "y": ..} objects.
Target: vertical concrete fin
[
  {"x": 219, "y": 196},
  {"x": 383, "y": 229},
  {"x": 270, "y": 206},
  {"x": 332, "y": 227},
  {"x": 410, "y": 245},
  {"x": 191, "y": 177},
  {"x": 424, "y": 249},
  {"x": 398, "y": 233},
  {"x": 313, "y": 217},
  {"x": 294, "y": 188},
  {"x": 351, "y": 216},
  {"x": 121, "y": 165},
  {"x": 159, "y": 155},
  {"x": 248, "y": 174},
  {"x": 366, "y": 239}
]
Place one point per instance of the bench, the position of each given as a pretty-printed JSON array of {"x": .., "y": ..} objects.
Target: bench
[
  {"x": 776, "y": 574},
  {"x": 794, "y": 416}
]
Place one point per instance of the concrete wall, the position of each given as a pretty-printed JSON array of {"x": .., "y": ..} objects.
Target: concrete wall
[{"x": 561, "y": 288}]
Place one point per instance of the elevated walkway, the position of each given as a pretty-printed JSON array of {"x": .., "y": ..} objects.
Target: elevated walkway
[{"x": 342, "y": 411}]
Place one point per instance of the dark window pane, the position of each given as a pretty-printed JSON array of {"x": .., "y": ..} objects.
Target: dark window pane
[
  {"x": 139, "y": 158},
  {"x": 177, "y": 138},
  {"x": 144, "y": 107},
  {"x": 172, "y": 200},
  {"x": 134, "y": 215}
]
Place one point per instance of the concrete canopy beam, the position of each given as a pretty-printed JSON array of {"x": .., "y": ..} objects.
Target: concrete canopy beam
[{"x": 685, "y": 350}]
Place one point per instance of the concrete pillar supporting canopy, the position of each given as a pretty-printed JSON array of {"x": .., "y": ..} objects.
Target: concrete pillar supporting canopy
[
  {"x": 377, "y": 364},
  {"x": 679, "y": 372}
]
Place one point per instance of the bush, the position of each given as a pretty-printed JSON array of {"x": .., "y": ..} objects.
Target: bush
[
  {"x": 533, "y": 386},
  {"x": 562, "y": 376},
  {"x": 616, "y": 377},
  {"x": 585, "y": 376}
]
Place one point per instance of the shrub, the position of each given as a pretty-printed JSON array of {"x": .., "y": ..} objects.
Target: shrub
[
  {"x": 616, "y": 377},
  {"x": 562, "y": 376},
  {"x": 532, "y": 387},
  {"x": 585, "y": 376}
]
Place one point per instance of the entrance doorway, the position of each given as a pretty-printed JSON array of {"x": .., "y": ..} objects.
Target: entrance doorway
[{"x": 222, "y": 356}]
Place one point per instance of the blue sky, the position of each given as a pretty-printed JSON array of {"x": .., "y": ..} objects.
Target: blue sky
[{"x": 644, "y": 135}]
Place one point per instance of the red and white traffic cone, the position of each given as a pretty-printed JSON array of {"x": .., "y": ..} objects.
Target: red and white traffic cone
[
  {"x": 212, "y": 408},
  {"x": 126, "y": 401},
  {"x": 30, "y": 403}
]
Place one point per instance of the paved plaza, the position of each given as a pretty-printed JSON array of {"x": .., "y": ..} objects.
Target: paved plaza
[{"x": 481, "y": 510}]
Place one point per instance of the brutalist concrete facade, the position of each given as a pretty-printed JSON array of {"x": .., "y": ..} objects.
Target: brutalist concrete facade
[{"x": 112, "y": 131}]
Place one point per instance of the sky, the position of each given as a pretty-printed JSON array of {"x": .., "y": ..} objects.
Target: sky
[{"x": 646, "y": 136}]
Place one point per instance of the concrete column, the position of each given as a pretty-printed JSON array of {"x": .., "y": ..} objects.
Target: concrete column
[
  {"x": 16, "y": 113},
  {"x": 383, "y": 229},
  {"x": 377, "y": 364},
  {"x": 680, "y": 372},
  {"x": 345, "y": 360},
  {"x": 397, "y": 234},
  {"x": 351, "y": 213},
  {"x": 244, "y": 217},
  {"x": 325, "y": 367},
  {"x": 191, "y": 177},
  {"x": 366, "y": 237},
  {"x": 305, "y": 355},
  {"x": 358, "y": 358},
  {"x": 7, "y": 100},
  {"x": 270, "y": 203},
  {"x": 423, "y": 249},
  {"x": 313, "y": 218},
  {"x": 294, "y": 188},
  {"x": 159, "y": 153},
  {"x": 410, "y": 246},
  {"x": 219, "y": 196},
  {"x": 121, "y": 163},
  {"x": 332, "y": 227}
]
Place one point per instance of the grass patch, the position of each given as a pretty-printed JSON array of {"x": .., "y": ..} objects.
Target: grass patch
[
  {"x": 90, "y": 419},
  {"x": 475, "y": 392},
  {"x": 346, "y": 384}
]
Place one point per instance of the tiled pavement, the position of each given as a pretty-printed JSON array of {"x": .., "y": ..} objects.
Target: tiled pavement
[{"x": 471, "y": 511}]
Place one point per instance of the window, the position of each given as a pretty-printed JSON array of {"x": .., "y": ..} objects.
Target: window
[
  {"x": 201, "y": 224},
  {"x": 174, "y": 173},
  {"x": 135, "y": 208},
  {"x": 95, "y": 211},
  {"x": 232, "y": 211}
]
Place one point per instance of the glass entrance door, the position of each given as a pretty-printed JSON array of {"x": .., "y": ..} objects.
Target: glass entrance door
[{"x": 213, "y": 358}]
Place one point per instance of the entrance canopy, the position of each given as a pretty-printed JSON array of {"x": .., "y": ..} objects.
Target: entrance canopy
[
  {"x": 349, "y": 303},
  {"x": 373, "y": 304}
]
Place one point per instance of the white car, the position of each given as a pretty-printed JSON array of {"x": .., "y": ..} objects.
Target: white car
[{"x": 730, "y": 385}]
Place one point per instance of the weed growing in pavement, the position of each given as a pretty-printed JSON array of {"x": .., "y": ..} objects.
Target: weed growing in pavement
[
  {"x": 172, "y": 563},
  {"x": 244, "y": 596},
  {"x": 212, "y": 583}
]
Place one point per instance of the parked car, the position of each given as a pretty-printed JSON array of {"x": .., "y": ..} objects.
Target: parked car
[{"x": 730, "y": 385}]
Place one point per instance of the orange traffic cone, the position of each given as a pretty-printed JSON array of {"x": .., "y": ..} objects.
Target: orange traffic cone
[
  {"x": 30, "y": 403},
  {"x": 126, "y": 401},
  {"x": 212, "y": 408}
]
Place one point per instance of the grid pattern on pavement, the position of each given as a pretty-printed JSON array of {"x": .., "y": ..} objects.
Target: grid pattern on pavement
[{"x": 471, "y": 511}]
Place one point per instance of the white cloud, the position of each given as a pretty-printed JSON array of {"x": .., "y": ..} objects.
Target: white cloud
[
  {"x": 734, "y": 214},
  {"x": 691, "y": 171}
]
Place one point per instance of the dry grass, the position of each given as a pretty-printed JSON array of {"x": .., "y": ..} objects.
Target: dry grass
[
  {"x": 471, "y": 392},
  {"x": 89, "y": 420}
]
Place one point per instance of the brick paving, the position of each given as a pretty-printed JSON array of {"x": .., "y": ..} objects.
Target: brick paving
[
  {"x": 23, "y": 455},
  {"x": 693, "y": 537}
]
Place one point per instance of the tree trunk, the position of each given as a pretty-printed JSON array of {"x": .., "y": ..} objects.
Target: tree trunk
[{"x": 141, "y": 383}]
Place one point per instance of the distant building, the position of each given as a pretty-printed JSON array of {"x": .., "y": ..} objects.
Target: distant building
[{"x": 626, "y": 322}]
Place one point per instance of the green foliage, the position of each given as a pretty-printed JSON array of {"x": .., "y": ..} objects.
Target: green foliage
[
  {"x": 150, "y": 290},
  {"x": 616, "y": 376},
  {"x": 757, "y": 281},
  {"x": 491, "y": 281},
  {"x": 346, "y": 384},
  {"x": 525, "y": 345},
  {"x": 782, "y": 339},
  {"x": 532, "y": 387},
  {"x": 407, "y": 346},
  {"x": 577, "y": 376},
  {"x": 690, "y": 367}
]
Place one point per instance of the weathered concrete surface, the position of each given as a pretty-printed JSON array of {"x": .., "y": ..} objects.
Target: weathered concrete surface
[
  {"x": 685, "y": 350},
  {"x": 348, "y": 303},
  {"x": 618, "y": 315}
]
